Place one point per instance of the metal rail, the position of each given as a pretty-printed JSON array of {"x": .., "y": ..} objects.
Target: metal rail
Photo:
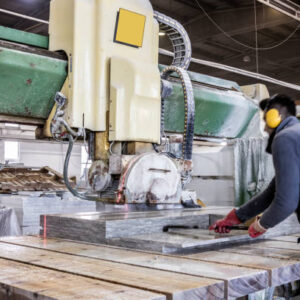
[
  {"x": 237, "y": 71},
  {"x": 286, "y": 7},
  {"x": 8, "y": 12}
]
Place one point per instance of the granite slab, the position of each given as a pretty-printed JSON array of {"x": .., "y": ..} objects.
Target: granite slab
[
  {"x": 98, "y": 226},
  {"x": 184, "y": 240},
  {"x": 287, "y": 238},
  {"x": 9, "y": 224},
  {"x": 278, "y": 245},
  {"x": 145, "y": 230},
  {"x": 239, "y": 281},
  {"x": 171, "y": 243},
  {"x": 29, "y": 207},
  {"x": 172, "y": 285},
  {"x": 23, "y": 281}
]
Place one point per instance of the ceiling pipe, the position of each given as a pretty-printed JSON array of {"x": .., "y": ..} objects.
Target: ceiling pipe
[
  {"x": 286, "y": 7},
  {"x": 237, "y": 71},
  {"x": 8, "y": 12}
]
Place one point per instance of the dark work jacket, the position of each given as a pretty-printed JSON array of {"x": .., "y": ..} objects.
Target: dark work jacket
[{"x": 281, "y": 198}]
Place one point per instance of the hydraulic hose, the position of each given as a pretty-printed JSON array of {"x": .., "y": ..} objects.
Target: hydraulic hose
[{"x": 66, "y": 178}]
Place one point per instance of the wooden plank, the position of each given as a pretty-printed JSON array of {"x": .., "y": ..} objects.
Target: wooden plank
[
  {"x": 239, "y": 281},
  {"x": 280, "y": 271},
  {"x": 20, "y": 281},
  {"x": 174, "y": 286}
]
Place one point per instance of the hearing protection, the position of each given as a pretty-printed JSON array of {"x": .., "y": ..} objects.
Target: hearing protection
[{"x": 273, "y": 118}]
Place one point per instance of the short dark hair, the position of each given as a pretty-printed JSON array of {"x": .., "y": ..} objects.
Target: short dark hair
[{"x": 279, "y": 99}]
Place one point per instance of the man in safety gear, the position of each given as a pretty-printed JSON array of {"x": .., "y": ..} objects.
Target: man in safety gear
[{"x": 281, "y": 197}]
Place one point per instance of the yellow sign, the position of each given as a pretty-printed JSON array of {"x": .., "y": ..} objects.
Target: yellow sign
[{"x": 130, "y": 28}]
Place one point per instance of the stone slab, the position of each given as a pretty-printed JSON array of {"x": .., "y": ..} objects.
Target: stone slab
[
  {"x": 264, "y": 252},
  {"x": 97, "y": 227},
  {"x": 287, "y": 238},
  {"x": 128, "y": 229},
  {"x": 278, "y": 245},
  {"x": 171, "y": 243},
  {"x": 183, "y": 240},
  {"x": 29, "y": 207}
]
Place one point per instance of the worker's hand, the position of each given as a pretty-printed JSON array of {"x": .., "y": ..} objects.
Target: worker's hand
[
  {"x": 223, "y": 225},
  {"x": 256, "y": 229}
]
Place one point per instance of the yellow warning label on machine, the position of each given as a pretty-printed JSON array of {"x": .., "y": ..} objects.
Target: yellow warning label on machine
[{"x": 130, "y": 28}]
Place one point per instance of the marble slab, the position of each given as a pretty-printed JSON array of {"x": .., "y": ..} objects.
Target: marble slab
[
  {"x": 239, "y": 281},
  {"x": 264, "y": 252},
  {"x": 171, "y": 243},
  {"x": 144, "y": 230},
  {"x": 99, "y": 226},
  {"x": 172, "y": 285},
  {"x": 287, "y": 238},
  {"x": 278, "y": 245},
  {"x": 9, "y": 224},
  {"x": 29, "y": 207},
  {"x": 183, "y": 240}
]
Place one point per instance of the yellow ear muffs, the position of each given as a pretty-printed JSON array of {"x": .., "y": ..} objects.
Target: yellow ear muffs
[{"x": 273, "y": 118}]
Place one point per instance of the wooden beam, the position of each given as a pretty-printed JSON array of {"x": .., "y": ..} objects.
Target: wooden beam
[
  {"x": 280, "y": 271},
  {"x": 237, "y": 279},
  {"x": 23, "y": 281},
  {"x": 173, "y": 285}
]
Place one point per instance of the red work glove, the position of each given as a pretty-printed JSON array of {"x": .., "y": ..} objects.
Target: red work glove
[
  {"x": 223, "y": 225},
  {"x": 256, "y": 229}
]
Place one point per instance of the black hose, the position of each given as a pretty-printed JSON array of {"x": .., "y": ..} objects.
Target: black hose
[
  {"x": 66, "y": 178},
  {"x": 162, "y": 117}
]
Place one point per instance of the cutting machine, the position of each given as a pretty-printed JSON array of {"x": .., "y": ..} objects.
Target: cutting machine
[{"x": 139, "y": 119}]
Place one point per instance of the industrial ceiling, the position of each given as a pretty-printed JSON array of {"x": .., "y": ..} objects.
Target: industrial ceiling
[{"x": 224, "y": 31}]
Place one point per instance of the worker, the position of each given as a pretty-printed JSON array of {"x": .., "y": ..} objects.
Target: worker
[{"x": 281, "y": 198}]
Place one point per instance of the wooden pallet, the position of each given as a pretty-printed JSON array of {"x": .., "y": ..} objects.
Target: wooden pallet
[
  {"x": 31, "y": 179},
  {"x": 61, "y": 269}
]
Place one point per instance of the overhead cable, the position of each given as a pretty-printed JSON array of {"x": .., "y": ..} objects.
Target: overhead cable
[{"x": 243, "y": 44}]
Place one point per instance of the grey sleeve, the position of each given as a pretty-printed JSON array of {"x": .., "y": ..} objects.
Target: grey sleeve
[
  {"x": 258, "y": 204},
  {"x": 286, "y": 163}
]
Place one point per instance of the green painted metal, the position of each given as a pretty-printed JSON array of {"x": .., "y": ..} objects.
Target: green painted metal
[
  {"x": 218, "y": 113},
  {"x": 28, "y": 83},
  {"x": 209, "y": 80},
  {"x": 23, "y": 37}
]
